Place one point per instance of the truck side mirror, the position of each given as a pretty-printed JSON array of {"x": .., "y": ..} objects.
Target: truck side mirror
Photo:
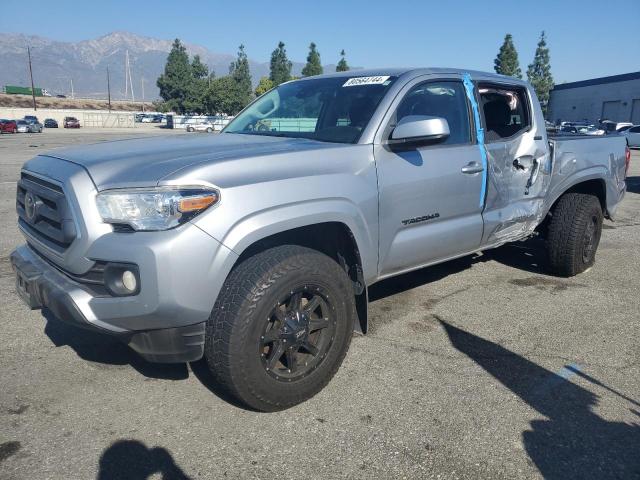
[{"x": 416, "y": 130}]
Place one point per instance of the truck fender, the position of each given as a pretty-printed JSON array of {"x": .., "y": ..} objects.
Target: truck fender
[{"x": 271, "y": 221}]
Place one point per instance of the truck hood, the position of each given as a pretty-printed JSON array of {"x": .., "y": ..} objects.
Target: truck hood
[{"x": 145, "y": 161}]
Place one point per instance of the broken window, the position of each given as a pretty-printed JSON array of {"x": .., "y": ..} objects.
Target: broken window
[{"x": 505, "y": 111}]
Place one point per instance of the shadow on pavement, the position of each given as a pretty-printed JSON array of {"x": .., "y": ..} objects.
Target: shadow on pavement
[
  {"x": 98, "y": 348},
  {"x": 528, "y": 255},
  {"x": 574, "y": 442},
  {"x": 132, "y": 460},
  {"x": 107, "y": 350}
]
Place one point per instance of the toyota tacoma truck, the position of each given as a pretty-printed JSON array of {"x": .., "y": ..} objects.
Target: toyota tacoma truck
[{"x": 255, "y": 248}]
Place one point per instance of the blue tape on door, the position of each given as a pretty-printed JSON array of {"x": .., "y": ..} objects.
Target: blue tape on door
[{"x": 468, "y": 86}]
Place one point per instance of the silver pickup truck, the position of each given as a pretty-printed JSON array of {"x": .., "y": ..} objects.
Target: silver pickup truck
[{"x": 255, "y": 248}]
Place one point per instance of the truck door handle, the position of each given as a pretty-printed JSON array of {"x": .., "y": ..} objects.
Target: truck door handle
[{"x": 472, "y": 167}]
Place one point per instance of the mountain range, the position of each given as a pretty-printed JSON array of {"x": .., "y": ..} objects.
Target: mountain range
[{"x": 57, "y": 64}]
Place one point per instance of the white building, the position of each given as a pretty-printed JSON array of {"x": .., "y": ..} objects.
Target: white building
[{"x": 615, "y": 98}]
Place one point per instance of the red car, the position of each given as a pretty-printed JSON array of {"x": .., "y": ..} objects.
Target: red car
[
  {"x": 8, "y": 126},
  {"x": 71, "y": 122}
]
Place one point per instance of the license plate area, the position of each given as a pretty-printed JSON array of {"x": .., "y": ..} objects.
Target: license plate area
[{"x": 25, "y": 289}]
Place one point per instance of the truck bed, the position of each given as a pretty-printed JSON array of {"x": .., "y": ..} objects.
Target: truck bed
[{"x": 579, "y": 158}]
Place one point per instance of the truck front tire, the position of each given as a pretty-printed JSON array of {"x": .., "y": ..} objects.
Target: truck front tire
[
  {"x": 574, "y": 234},
  {"x": 280, "y": 327}
]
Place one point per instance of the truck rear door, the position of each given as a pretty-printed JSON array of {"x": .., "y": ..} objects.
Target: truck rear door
[
  {"x": 429, "y": 196},
  {"x": 518, "y": 161}
]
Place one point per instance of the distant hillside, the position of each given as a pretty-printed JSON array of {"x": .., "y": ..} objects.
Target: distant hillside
[
  {"x": 55, "y": 63},
  {"x": 25, "y": 101}
]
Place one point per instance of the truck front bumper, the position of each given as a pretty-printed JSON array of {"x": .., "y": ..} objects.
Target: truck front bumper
[{"x": 165, "y": 321}]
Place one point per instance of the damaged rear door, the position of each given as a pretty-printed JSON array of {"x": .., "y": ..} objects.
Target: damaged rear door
[{"x": 517, "y": 159}]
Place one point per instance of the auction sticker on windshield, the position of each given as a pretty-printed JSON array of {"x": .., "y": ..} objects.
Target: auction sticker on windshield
[{"x": 356, "y": 81}]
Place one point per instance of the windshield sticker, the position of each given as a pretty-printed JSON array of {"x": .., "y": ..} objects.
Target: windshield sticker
[{"x": 357, "y": 81}]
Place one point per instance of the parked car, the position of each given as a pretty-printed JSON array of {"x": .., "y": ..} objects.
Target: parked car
[
  {"x": 590, "y": 130},
  {"x": 613, "y": 127},
  {"x": 71, "y": 122},
  {"x": 255, "y": 249},
  {"x": 31, "y": 118},
  {"x": 582, "y": 130},
  {"x": 632, "y": 135},
  {"x": 8, "y": 126},
  {"x": 152, "y": 118},
  {"x": 50, "y": 123},
  {"x": 28, "y": 127},
  {"x": 200, "y": 127}
]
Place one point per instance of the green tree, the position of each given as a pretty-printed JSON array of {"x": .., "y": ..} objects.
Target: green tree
[
  {"x": 280, "y": 68},
  {"x": 239, "y": 71},
  {"x": 175, "y": 83},
  {"x": 313, "y": 66},
  {"x": 342, "y": 66},
  {"x": 506, "y": 62},
  {"x": 224, "y": 96},
  {"x": 264, "y": 86},
  {"x": 198, "y": 69},
  {"x": 199, "y": 82},
  {"x": 539, "y": 73}
]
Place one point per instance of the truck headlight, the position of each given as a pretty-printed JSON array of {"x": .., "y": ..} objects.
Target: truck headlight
[{"x": 159, "y": 208}]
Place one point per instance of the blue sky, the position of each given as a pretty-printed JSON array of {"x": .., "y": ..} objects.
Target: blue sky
[{"x": 587, "y": 39}]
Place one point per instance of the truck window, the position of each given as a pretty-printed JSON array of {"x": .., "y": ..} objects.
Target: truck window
[
  {"x": 446, "y": 99},
  {"x": 505, "y": 112}
]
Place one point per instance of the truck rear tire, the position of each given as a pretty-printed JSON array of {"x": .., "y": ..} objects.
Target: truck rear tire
[
  {"x": 574, "y": 234},
  {"x": 281, "y": 326}
]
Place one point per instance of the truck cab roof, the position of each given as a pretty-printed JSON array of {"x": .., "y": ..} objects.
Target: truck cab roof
[{"x": 411, "y": 72}]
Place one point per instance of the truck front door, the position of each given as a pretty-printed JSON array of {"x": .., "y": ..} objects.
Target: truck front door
[{"x": 429, "y": 196}]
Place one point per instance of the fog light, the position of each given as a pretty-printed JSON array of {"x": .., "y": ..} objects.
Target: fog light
[
  {"x": 122, "y": 279},
  {"x": 129, "y": 281}
]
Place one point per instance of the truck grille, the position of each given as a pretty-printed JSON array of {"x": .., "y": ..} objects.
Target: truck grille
[{"x": 44, "y": 212}]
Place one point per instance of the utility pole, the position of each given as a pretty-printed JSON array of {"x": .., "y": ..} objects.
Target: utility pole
[
  {"x": 142, "y": 87},
  {"x": 72, "y": 94},
  {"x": 109, "y": 88},
  {"x": 33, "y": 91},
  {"x": 126, "y": 74}
]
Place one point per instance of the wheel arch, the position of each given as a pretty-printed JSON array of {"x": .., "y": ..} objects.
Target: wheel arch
[
  {"x": 593, "y": 186},
  {"x": 334, "y": 238}
]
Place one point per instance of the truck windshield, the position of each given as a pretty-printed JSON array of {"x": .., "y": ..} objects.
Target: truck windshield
[{"x": 326, "y": 109}]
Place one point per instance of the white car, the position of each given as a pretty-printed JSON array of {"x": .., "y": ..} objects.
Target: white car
[
  {"x": 590, "y": 130},
  {"x": 200, "y": 127},
  {"x": 633, "y": 136},
  {"x": 613, "y": 127}
]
